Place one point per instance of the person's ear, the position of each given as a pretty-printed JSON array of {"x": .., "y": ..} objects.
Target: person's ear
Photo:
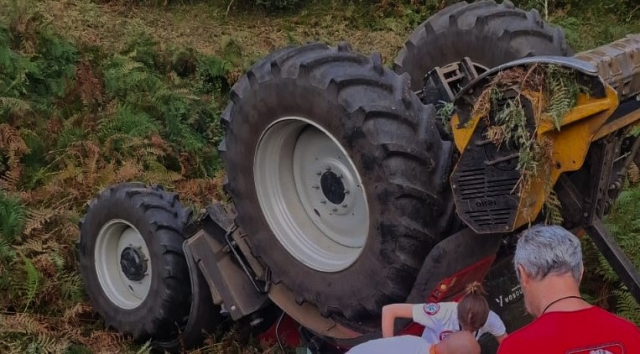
[
  {"x": 524, "y": 278},
  {"x": 581, "y": 274}
]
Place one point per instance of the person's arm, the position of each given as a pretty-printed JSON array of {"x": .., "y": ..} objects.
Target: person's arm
[
  {"x": 496, "y": 327},
  {"x": 389, "y": 315},
  {"x": 501, "y": 338}
]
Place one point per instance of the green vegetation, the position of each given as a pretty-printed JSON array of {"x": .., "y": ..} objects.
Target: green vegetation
[
  {"x": 626, "y": 227},
  {"x": 98, "y": 92},
  {"x": 76, "y": 118}
]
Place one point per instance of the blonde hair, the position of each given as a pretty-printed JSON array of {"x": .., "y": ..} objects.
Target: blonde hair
[{"x": 473, "y": 309}]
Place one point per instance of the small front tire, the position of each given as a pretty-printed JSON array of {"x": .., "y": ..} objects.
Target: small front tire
[{"x": 135, "y": 271}]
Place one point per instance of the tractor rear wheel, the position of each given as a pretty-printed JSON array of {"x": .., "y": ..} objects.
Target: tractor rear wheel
[
  {"x": 488, "y": 33},
  {"x": 135, "y": 271},
  {"x": 336, "y": 170}
]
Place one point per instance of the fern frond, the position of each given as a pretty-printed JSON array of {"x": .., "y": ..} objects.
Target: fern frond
[
  {"x": 68, "y": 136},
  {"x": 633, "y": 174},
  {"x": 14, "y": 106},
  {"x": 69, "y": 172},
  {"x": 76, "y": 310},
  {"x": 128, "y": 121},
  {"x": 71, "y": 287},
  {"x": 11, "y": 179},
  {"x": 12, "y": 218},
  {"x": 58, "y": 261},
  {"x": 553, "y": 215},
  {"x": 561, "y": 92},
  {"x": 11, "y": 141},
  {"x": 34, "y": 245},
  {"x": 32, "y": 282},
  {"x": 130, "y": 66},
  {"x": 13, "y": 147},
  {"x": 7, "y": 253},
  {"x": 627, "y": 306},
  {"x": 22, "y": 323},
  {"x": 127, "y": 172},
  {"x": 145, "y": 349},
  {"x": 37, "y": 218},
  {"x": 47, "y": 343},
  {"x": 626, "y": 198}
]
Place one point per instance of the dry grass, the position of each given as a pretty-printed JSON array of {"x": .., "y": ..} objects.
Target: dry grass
[{"x": 205, "y": 28}]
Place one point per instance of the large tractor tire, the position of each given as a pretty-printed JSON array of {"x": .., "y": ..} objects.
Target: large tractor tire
[
  {"x": 135, "y": 271},
  {"x": 488, "y": 33},
  {"x": 336, "y": 169}
]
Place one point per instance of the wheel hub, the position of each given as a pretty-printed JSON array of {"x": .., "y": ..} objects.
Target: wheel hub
[
  {"x": 122, "y": 264},
  {"x": 311, "y": 194},
  {"x": 332, "y": 187},
  {"x": 133, "y": 263}
]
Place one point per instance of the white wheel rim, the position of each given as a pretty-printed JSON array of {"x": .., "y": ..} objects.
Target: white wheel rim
[
  {"x": 311, "y": 194},
  {"x": 113, "y": 239}
]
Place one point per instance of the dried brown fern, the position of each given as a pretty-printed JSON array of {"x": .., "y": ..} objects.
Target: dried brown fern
[
  {"x": 77, "y": 312},
  {"x": 127, "y": 172},
  {"x": 23, "y": 323},
  {"x": 33, "y": 245},
  {"x": 10, "y": 180},
  {"x": 54, "y": 334},
  {"x": 13, "y": 147},
  {"x": 87, "y": 85},
  {"x": 633, "y": 174},
  {"x": 37, "y": 218},
  {"x": 45, "y": 266},
  {"x": 104, "y": 342},
  {"x": 201, "y": 192}
]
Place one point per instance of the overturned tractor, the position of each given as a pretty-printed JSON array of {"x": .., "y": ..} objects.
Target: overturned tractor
[{"x": 354, "y": 186}]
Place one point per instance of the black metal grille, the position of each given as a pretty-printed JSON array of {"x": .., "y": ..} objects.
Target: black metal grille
[{"x": 486, "y": 196}]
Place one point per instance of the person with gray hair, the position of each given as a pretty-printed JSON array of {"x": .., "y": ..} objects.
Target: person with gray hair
[{"x": 548, "y": 263}]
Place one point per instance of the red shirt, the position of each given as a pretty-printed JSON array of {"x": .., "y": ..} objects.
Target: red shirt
[{"x": 588, "y": 331}]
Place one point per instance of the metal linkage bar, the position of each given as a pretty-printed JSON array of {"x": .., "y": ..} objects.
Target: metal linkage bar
[{"x": 618, "y": 260}]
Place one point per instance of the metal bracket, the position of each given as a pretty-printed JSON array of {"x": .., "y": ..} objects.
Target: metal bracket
[
  {"x": 443, "y": 83},
  {"x": 602, "y": 157},
  {"x": 214, "y": 251},
  {"x": 232, "y": 244}
]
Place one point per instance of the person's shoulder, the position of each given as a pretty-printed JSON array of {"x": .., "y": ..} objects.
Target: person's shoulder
[
  {"x": 617, "y": 321},
  {"x": 519, "y": 341},
  {"x": 523, "y": 334},
  {"x": 435, "y": 308},
  {"x": 514, "y": 343},
  {"x": 448, "y": 305}
]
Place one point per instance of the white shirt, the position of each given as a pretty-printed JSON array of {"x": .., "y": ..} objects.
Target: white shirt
[{"x": 441, "y": 319}]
